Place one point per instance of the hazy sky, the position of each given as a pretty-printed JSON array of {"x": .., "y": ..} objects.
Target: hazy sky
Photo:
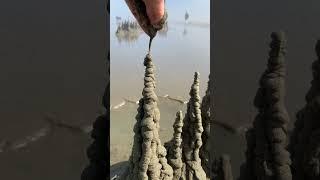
[{"x": 199, "y": 10}]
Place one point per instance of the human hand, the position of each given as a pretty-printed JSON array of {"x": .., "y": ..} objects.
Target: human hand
[
  {"x": 155, "y": 10},
  {"x": 150, "y": 14}
]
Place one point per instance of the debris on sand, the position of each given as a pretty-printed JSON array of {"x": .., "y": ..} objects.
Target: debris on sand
[
  {"x": 131, "y": 101},
  {"x": 119, "y": 105},
  {"x": 267, "y": 156},
  {"x": 15, "y": 145},
  {"x": 57, "y": 123},
  {"x": 148, "y": 158},
  {"x": 305, "y": 140},
  {"x": 176, "y": 100},
  {"x": 115, "y": 177}
]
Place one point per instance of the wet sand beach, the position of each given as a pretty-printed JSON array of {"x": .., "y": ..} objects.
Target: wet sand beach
[
  {"x": 241, "y": 38},
  {"x": 177, "y": 52},
  {"x": 52, "y": 61},
  {"x": 242, "y": 34}
]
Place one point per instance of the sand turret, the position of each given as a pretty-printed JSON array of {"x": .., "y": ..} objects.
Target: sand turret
[
  {"x": 270, "y": 128},
  {"x": 191, "y": 135},
  {"x": 175, "y": 149},
  {"x": 222, "y": 168},
  {"x": 97, "y": 152},
  {"x": 206, "y": 122},
  {"x": 148, "y": 158},
  {"x": 247, "y": 168},
  {"x": 305, "y": 140}
]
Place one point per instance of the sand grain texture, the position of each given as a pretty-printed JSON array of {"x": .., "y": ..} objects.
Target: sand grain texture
[
  {"x": 305, "y": 140},
  {"x": 222, "y": 168},
  {"x": 267, "y": 140},
  {"x": 206, "y": 122},
  {"x": 191, "y": 135},
  {"x": 175, "y": 149},
  {"x": 148, "y": 158}
]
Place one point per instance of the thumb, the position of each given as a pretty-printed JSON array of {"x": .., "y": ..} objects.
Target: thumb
[{"x": 155, "y": 10}]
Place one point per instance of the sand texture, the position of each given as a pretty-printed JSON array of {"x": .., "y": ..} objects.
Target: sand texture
[
  {"x": 222, "y": 168},
  {"x": 148, "y": 157},
  {"x": 305, "y": 144},
  {"x": 267, "y": 155},
  {"x": 206, "y": 122},
  {"x": 174, "y": 147},
  {"x": 203, "y": 146},
  {"x": 191, "y": 135}
]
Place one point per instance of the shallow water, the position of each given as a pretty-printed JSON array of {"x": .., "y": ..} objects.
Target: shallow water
[
  {"x": 55, "y": 63},
  {"x": 177, "y": 54}
]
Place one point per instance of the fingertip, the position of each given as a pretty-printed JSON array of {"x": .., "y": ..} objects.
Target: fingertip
[{"x": 155, "y": 10}]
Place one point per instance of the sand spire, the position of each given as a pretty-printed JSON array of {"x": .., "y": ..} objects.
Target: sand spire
[
  {"x": 206, "y": 122},
  {"x": 270, "y": 130},
  {"x": 305, "y": 140},
  {"x": 222, "y": 168},
  {"x": 191, "y": 135},
  {"x": 174, "y": 148},
  {"x": 148, "y": 159},
  {"x": 97, "y": 151}
]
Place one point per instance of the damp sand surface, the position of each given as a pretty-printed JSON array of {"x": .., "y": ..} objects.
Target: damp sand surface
[
  {"x": 177, "y": 53},
  {"x": 123, "y": 120},
  {"x": 52, "y": 61}
]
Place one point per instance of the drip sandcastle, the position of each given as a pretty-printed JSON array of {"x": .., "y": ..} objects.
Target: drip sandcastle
[
  {"x": 273, "y": 151},
  {"x": 180, "y": 157},
  {"x": 267, "y": 156}
]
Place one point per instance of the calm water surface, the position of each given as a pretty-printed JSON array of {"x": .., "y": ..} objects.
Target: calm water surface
[{"x": 177, "y": 55}]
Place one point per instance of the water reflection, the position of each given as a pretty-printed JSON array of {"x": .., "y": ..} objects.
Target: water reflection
[
  {"x": 164, "y": 31},
  {"x": 129, "y": 31},
  {"x": 118, "y": 20},
  {"x": 185, "y": 32},
  {"x": 186, "y": 16}
]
